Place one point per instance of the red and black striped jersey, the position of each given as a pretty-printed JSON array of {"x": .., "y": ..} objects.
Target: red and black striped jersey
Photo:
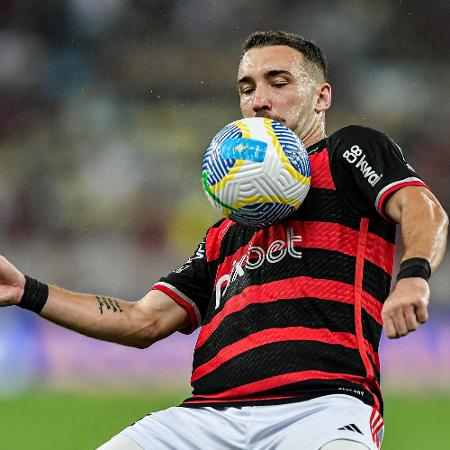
[{"x": 293, "y": 310}]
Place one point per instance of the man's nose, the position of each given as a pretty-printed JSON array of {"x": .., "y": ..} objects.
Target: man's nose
[{"x": 261, "y": 100}]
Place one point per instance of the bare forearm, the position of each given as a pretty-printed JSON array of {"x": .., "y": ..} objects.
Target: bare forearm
[
  {"x": 424, "y": 232},
  {"x": 137, "y": 324},
  {"x": 423, "y": 224},
  {"x": 99, "y": 317}
]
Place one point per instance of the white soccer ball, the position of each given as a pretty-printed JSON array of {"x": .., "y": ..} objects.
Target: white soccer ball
[{"x": 256, "y": 171}]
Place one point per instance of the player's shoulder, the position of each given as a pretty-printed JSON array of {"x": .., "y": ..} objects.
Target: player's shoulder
[
  {"x": 359, "y": 139},
  {"x": 218, "y": 229},
  {"x": 357, "y": 132},
  {"x": 224, "y": 233},
  {"x": 219, "y": 223}
]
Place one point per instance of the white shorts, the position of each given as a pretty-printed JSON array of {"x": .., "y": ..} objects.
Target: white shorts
[{"x": 306, "y": 425}]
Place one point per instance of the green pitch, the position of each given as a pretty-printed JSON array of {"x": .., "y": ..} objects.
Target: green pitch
[{"x": 47, "y": 421}]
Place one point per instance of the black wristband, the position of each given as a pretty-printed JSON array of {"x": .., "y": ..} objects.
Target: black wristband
[
  {"x": 35, "y": 295},
  {"x": 414, "y": 267}
]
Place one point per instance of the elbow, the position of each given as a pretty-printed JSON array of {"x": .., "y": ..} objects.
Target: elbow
[
  {"x": 445, "y": 220},
  {"x": 437, "y": 215},
  {"x": 442, "y": 218},
  {"x": 143, "y": 329},
  {"x": 154, "y": 319},
  {"x": 441, "y": 231},
  {"x": 143, "y": 344},
  {"x": 445, "y": 225},
  {"x": 143, "y": 336},
  {"x": 146, "y": 337}
]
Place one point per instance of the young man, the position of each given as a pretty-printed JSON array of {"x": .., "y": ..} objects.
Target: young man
[{"x": 288, "y": 356}]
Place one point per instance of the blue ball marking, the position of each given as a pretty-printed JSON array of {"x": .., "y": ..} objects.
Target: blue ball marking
[
  {"x": 216, "y": 166},
  {"x": 241, "y": 148}
]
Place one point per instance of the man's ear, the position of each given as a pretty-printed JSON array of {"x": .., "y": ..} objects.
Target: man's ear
[{"x": 323, "y": 94}]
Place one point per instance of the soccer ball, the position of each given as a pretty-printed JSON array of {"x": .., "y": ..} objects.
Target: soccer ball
[{"x": 256, "y": 171}]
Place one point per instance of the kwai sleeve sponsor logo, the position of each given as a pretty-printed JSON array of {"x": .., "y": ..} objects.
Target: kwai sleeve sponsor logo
[{"x": 356, "y": 156}]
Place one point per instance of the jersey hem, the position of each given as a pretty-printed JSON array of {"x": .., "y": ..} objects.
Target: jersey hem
[{"x": 276, "y": 401}]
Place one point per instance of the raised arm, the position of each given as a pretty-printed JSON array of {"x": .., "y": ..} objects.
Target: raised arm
[
  {"x": 136, "y": 324},
  {"x": 424, "y": 227}
]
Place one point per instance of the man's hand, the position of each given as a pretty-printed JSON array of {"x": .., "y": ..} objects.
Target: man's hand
[
  {"x": 406, "y": 307},
  {"x": 137, "y": 324},
  {"x": 12, "y": 283}
]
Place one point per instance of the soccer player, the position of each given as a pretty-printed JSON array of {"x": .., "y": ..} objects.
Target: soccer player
[{"x": 287, "y": 355}]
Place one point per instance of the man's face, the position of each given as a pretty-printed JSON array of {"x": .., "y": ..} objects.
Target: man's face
[{"x": 275, "y": 83}]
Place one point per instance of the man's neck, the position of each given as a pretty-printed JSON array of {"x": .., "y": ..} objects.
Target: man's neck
[
  {"x": 308, "y": 141},
  {"x": 315, "y": 132}
]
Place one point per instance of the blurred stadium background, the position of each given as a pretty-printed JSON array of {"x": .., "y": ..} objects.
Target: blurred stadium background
[{"x": 106, "y": 107}]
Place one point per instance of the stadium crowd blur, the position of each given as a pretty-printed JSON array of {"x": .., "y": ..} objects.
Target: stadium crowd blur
[{"x": 107, "y": 105}]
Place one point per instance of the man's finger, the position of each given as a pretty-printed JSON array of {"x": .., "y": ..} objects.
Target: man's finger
[
  {"x": 389, "y": 329},
  {"x": 421, "y": 312},
  {"x": 400, "y": 324},
  {"x": 411, "y": 318}
]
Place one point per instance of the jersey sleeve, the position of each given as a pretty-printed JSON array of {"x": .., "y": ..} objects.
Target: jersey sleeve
[
  {"x": 367, "y": 168},
  {"x": 190, "y": 285}
]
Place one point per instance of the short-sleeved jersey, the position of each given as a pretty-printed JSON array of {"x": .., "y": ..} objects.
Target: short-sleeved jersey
[{"x": 293, "y": 310}]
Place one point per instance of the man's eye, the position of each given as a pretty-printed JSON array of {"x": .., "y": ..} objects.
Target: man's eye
[
  {"x": 247, "y": 91},
  {"x": 279, "y": 85}
]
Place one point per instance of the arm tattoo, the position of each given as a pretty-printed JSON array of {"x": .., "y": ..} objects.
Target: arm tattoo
[{"x": 109, "y": 303}]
